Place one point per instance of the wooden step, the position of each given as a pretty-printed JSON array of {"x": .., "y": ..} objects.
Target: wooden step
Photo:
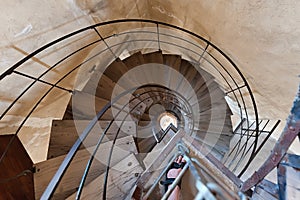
[
  {"x": 152, "y": 69},
  {"x": 197, "y": 79},
  {"x": 213, "y": 91},
  {"x": 211, "y": 98},
  {"x": 156, "y": 151},
  {"x": 218, "y": 144},
  {"x": 200, "y": 85},
  {"x": 214, "y": 112},
  {"x": 134, "y": 60},
  {"x": 116, "y": 70},
  {"x": 16, "y": 177},
  {"x": 64, "y": 134},
  {"x": 101, "y": 86},
  {"x": 46, "y": 170},
  {"x": 121, "y": 179},
  {"x": 108, "y": 86},
  {"x": 85, "y": 106},
  {"x": 173, "y": 61},
  {"x": 214, "y": 139},
  {"x": 144, "y": 96},
  {"x": 203, "y": 80},
  {"x": 154, "y": 57},
  {"x": 214, "y": 128},
  {"x": 145, "y": 139},
  {"x": 188, "y": 70}
]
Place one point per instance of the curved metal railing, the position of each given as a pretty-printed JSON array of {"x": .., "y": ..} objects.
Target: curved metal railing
[{"x": 162, "y": 36}]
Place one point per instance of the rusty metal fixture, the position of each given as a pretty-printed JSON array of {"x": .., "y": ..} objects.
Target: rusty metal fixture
[{"x": 291, "y": 131}]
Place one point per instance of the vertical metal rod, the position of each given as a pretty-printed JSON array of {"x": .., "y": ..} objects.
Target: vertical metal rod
[
  {"x": 238, "y": 142},
  {"x": 207, "y": 44},
  {"x": 261, "y": 145},
  {"x": 269, "y": 134},
  {"x": 240, "y": 87},
  {"x": 176, "y": 181},
  {"x": 243, "y": 147},
  {"x": 158, "y": 39},
  {"x": 159, "y": 177},
  {"x": 116, "y": 57},
  {"x": 39, "y": 80},
  {"x": 81, "y": 185},
  {"x": 111, "y": 150},
  {"x": 242, "y": 157}
]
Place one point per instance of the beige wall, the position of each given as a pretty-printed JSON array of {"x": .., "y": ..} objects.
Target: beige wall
[
  {"x": 261, "y": 37},
  {"x": 26, "y": 26}
]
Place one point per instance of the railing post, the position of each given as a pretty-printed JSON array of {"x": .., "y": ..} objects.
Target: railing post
[
  {"x": 158, "y": 39},
  {"x": 207, "y": 44},
  {"x": 109, "y": 48},
  {"x": 41, "y": 81}
]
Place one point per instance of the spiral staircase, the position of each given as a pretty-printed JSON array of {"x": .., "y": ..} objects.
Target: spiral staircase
[{"x": 110, "y": 138}]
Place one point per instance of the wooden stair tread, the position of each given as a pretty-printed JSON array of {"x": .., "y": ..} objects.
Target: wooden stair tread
[
  {"x": 196, "y": 150},
  {"x": 100, "y": 85},
  {"x": 154, "y": 57},
  {"x": 116, "y": 70},
  {"x": 134, "y": 60},
  {"x": 156, "y": 151},
  {"x": 16, "y": 161},
  {"x": 188, "y": 70},
  {"x": 145, "y": 139},
  {"x": 173, "y": 61},
  {"x": 46, "y": 169},
  {"x": 64, "y": 133},
  {"x": 121, "y": 179},
  {"x": 83, "y": 105}
]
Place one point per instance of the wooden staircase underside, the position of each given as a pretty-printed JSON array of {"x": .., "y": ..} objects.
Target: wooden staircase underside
[{"x": 212, "y": 128}]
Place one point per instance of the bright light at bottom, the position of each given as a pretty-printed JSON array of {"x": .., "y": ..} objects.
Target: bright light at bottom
[{"x": 166, "y": 119}]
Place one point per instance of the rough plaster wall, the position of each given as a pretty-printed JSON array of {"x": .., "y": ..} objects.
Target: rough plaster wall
[
  {"x": 104, "y": 10},
  {"x": 262, "y": 38},
  {"x": 28, "y": 25}
]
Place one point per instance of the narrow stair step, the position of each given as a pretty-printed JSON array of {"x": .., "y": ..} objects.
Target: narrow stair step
[
  {"x": 16, "y": 160},
  {"x": 134, "y": 60},
  {"x": 154, "y": 57},
  {"x": 64, "y": 134},
  {"x": 86, "y": 106},
  {"x": 101, "y": 86},
  {"x": 156, "y": 151},
  {"x": 173, "y": 61},
  {"x": 121, "y": 179},
  {"x": 46, "y": 170}
]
